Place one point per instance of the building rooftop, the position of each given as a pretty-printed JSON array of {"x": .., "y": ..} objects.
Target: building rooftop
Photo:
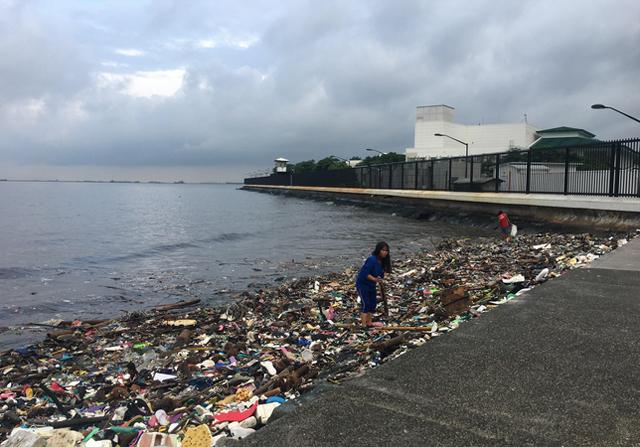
[
  {"x": 564, "y": 129},
  {"x": 553, "y": 143}
]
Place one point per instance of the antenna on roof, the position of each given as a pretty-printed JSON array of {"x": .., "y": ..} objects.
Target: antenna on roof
[{"x": 525, "y": 118}]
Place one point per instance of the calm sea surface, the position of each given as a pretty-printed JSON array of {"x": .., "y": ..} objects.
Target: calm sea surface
[{"x": 88, "y": 250}]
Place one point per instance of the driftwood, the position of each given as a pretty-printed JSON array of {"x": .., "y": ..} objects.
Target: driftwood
[
  {"x": 272, "y": 381},
  {"x": 386, "y": 328},
  {"x": 179, "y": 305},
  {"x": 385, "y": 307},
  {"x": 85, "y": 326},
  {"x": 389, "y": 344},
  {"x": 73, "y": 422},
  {"x": 58, "y": 334},
  {"x": 455, "y": 300}
]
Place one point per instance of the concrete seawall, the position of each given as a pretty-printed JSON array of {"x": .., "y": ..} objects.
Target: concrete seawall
[{"x": 580, "y": 212}]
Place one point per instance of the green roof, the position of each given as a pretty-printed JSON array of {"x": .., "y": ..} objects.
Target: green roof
[
  {"x": 566, "y": 129},
  {"x": 551, "y": 143}
]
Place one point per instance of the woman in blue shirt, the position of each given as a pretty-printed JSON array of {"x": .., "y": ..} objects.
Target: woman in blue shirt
[{"x": 371, "y": 274}]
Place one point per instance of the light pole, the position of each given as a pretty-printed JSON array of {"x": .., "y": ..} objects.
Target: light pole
[
  {"x": 344, "y": 160},
  {"x": 466, "y": 150},
  {"x": 602, "y": 106},
  {"x": 374, "y": 150}
]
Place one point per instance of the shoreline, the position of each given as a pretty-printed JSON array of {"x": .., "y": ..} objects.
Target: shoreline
[{"x": 216, "y": 367}]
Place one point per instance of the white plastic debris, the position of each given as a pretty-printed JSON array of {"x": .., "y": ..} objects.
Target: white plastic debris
[
  {"x": 543, "y": 275},
  {"x": 268, "y": 365},
  {"x": 264, "y": 411},
  {"x": 514, "y": 279}
]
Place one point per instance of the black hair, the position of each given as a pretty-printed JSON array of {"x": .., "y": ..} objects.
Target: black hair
[
  {"x": 386, "y": 261},
  {"x": 499, "y": 212}
]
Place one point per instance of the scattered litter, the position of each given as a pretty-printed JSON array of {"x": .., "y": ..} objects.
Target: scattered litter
[{"x": 185, "y": 375}]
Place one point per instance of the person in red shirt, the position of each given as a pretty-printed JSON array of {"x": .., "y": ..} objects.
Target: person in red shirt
[{"x": 504, "y": 224}]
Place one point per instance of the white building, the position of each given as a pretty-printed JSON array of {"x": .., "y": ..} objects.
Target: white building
[{"x": 481, "y": 138}]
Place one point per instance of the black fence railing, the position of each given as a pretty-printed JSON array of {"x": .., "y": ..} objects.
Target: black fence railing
[{"x": 605, "y": 168}]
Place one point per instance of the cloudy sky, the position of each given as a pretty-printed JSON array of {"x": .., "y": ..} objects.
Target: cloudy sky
[{"x": 215, "y": 90}]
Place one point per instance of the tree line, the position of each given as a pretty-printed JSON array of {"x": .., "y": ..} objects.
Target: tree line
[{"x": 332, "y": 163}]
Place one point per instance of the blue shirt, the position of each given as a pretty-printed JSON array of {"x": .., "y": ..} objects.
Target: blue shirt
[{"x": 371, "y": 267}]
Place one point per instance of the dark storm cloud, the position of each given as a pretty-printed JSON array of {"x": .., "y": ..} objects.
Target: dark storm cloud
[{"x": 300, "y": 79}]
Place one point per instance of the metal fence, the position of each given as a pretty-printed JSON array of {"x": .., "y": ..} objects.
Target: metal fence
[{"x": 606, "y": 168}]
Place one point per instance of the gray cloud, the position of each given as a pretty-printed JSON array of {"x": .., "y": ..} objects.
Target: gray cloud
[{"x": 298, "y": 79}]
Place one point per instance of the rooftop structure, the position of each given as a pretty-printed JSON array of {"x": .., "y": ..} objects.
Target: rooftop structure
[
  {"x": 480, "y": 138},
  {"x": 562, "y": 137},
  {"x": 281, "y": 165}
]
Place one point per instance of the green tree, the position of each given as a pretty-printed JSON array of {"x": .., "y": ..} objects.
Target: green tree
[
  {"x": 305, "y": 166},
  {"x": 390, "y": 157},
  {"x": 329, "y": 164}
]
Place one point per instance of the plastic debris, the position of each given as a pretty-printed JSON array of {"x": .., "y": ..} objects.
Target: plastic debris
[{"x": 193, "y": 376}]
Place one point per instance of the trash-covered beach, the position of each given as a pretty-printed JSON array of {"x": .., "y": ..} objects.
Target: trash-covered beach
[{"x": 189, "y": 375}]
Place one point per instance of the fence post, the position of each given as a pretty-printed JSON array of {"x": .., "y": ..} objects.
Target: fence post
[
  {"x": 390, "y": 177},
  {"x": 566, "y": 171},
  {"x": 449, "y": 176},
  {"x": 370, "y": 177},
  {"x": 471, "y": 174},
  {"x": 636, "y": 168},
  {"x": 618, "y": 147},
  {"x": 402, "y": 176},
  {"x": 416, "y": 177},
  {"x": 528, "y": 189},
  {"x": 497, "y": 172},
  {"x": 612, "y": 168},
  {"x": 433, "y": 166}
]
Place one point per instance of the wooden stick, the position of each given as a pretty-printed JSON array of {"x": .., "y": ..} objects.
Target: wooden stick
[
  {"x": 386, "y": 328},
  {"x": 389, "y": 345},
  {"x": 404, "y": 328},
  {"x": 178, "y": 305},
  {"x": 385, "y": 307},
  {"x": 74, "y": 422}
]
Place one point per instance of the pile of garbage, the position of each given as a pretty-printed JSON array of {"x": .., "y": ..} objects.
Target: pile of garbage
[{"x": 193, "y": 376}]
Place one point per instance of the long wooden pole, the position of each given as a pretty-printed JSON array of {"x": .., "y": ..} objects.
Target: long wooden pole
[{"x": 385, "y": 307}]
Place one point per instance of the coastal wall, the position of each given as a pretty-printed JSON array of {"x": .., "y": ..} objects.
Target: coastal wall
[{"x": 588, "y": 212}]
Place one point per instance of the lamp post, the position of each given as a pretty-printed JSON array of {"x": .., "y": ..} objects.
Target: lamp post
[
  {"x": 466, "y": 150},
  {"x": 344, "y": 160},
  {"x": 374, "y": 150},
  {"x": 602, "y": 106}
]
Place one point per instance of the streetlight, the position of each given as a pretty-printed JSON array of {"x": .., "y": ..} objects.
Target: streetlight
[
  {"x": 466, "y": 150},
  {"x": 373, "y": 150},
  {"x": 602, "y": 106},
  {"x": 344, "y": 160}
]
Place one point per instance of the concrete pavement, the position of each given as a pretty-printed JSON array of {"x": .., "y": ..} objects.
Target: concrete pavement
[{"x": 556, "y": 366}]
